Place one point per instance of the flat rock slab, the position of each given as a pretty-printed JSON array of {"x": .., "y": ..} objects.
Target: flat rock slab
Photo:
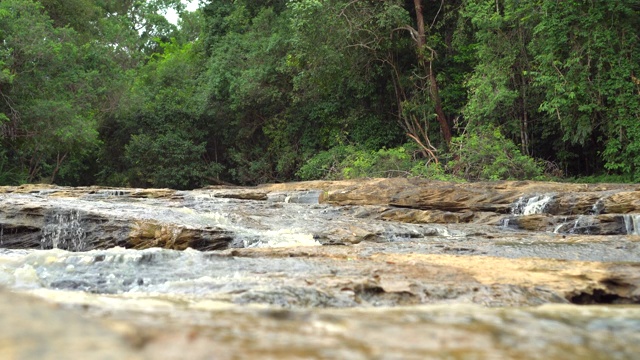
[
  {"x": 549, "y": 332},
  {"x": 146, "y": 328},
  {"x": 34, "y": 329},
  {"x": 386, "y": 278}
]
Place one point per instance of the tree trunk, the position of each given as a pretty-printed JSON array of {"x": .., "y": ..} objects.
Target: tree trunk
[
  {"x": 59, "y": 161},
  {"x": 426, "y": 62}
]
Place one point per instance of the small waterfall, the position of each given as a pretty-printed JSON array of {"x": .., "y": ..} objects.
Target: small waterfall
[
  {"x": 632, "y": 224},
  {"x": 558, "y": 229},
  {"x": 531, "y": 205},
  {"x": 597, "y": 207},
  {"x": 582, "y": 225},
  {"x": 525, "y": 205},
  {"x": 64, "y": 231},
  {"x": 296, "y": 197}
]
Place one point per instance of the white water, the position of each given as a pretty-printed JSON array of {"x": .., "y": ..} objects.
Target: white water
[
  {"x": 581, "y": 225},
  {"x": 597, "y": 207},
  {"x": 65, "y": 231},
  {"x": 281, "y": 221},
  {"x": 632, "y": 224},
  {"x": 531, "y": 205},
  {"x": 166, "y": 275}
]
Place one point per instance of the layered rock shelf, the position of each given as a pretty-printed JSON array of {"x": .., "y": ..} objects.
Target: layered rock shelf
[
  {"x": 330, "y": 253},
  {"x": 39, "y": 216}
]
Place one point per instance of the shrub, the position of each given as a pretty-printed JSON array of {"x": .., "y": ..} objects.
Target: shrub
[
  {"x": 485, "y": 154},
  {"x": 349, "y": 162},
  {"x": 168, "y": 160},
  {"x": 9, "y": 173}
]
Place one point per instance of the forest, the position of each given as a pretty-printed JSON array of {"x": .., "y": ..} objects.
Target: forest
[{"x": 109, "y": 92}]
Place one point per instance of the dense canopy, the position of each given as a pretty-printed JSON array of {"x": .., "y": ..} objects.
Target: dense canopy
[{"x": 110, "y": 92}]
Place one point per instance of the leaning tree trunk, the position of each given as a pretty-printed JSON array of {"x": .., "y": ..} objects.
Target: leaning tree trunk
[{"x": 427, "y": 63}]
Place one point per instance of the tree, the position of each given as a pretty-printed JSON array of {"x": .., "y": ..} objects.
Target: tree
[
  {"x": 47, "y": 92},
  {"x": 247, "y": 87},
  {"x": 501, "y": 89},
  {"x": 587, "y": 60},
  {"x": 411, "y": 40},
  {"x": 426, "y": 55},
  {"x": 558, "y": 78},
  {"x": 159, "y": 127}
]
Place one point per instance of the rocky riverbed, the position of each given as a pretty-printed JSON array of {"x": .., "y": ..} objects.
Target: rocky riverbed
[{"x": 380, "y": 268}]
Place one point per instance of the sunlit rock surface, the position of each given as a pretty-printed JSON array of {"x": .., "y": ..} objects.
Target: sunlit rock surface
[{"x": 380, "y": 268}]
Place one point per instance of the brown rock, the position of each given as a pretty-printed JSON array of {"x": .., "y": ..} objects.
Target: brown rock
[
  {"x": 535, "y": 222},
  {"x": 31, "y": 329},
  {"x": 426, "y": 216},
  {"x": 623, "y": 202}
]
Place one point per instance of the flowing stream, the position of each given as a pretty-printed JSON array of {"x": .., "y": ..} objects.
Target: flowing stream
[{"x": 284, "y": 276}]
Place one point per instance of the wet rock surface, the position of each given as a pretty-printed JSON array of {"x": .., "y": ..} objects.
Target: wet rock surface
[{"x": 382, "y": 268}]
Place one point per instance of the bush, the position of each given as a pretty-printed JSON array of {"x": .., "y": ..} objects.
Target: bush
[
  {"x": 434, "y": 171},
  {"x": 601, "y": 178},
  {"x": 10, "y": 174},
  {"x": 485, "y": 154},
  {"x": 349, "y": 162},
  {"x": 482, "y": 155},
  {"x": 168, "y": 160}
]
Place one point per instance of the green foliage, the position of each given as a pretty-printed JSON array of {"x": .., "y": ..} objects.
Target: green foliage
[
  {"x": 77, "y": 14},
  {"x": 10, "y": 175},
  {"x": 350, "y": 162},
  {"x": 49, "y": 101},
  {"x": 588, "y": 76},
  {"x": 161, "y": 122},
  {"x": 557, "y": 77},
  {"x": 108, "y": 91},
  {"x": 434, "y": 171},
  {"x": 485, "y": 154},
  {"x": 500, "y": 87},
  {"x": 601, "y": 178},
  {"x": 168, "y": 160}
]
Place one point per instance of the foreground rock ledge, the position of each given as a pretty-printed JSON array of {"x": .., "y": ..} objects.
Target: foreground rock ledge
[{"x": 33, "y": 329}]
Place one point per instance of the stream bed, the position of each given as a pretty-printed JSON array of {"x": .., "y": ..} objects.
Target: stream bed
[{"x": 275, "y": 273}]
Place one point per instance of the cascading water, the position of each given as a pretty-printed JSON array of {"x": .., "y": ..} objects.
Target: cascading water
[
  {"x": 531, "y": 205},
  {"x": 64, "y": 231},
  {"x": 632, "y": 224},
  {"x": 527, "y": 205},
  {"x": 581, "y": 225},
  {"x": 588, "y": 223},
  {"x": 597, "y": 207}
]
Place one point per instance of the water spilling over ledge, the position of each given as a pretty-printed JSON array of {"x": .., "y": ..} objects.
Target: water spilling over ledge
[{"x": 315, "y": 262}]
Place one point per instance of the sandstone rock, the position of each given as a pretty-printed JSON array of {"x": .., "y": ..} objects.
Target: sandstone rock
[
  {"x": 33, "y": 329},
  {"x": 623, "y": 202},
  {"x": 427, "y": 216},
  {"x": 572, "y": 208},
  {"x": 42, "y": 223},
  {"x": 144, "y": 235},
  {"x": 423, "y": 201}
]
